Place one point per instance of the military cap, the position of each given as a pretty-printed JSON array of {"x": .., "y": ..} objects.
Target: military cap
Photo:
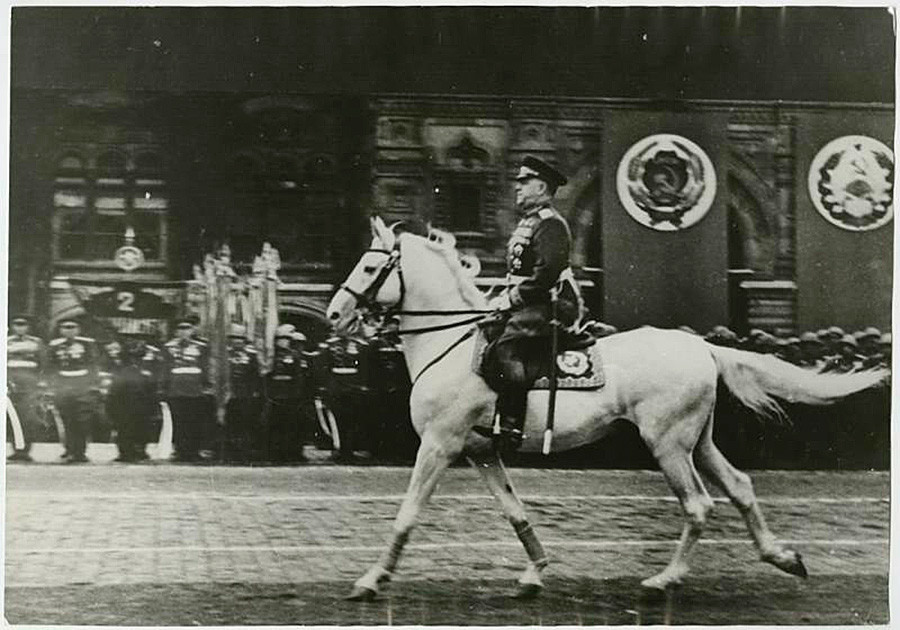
[
  {"x": 68, "y": 322},
  {"x": 835, "y": 332},
  {"x": 848, "y": 340},
  {"x": 298, "y": 336},
  {"x": 792, "y": 341},
  {"x": 20, "y": 320},
  {"x": 885, "y": 339},
  {"x": 810, "y": 337},
  {"x": 238, "y": 331},
  {"x": 285, "y": 330},
  {"x": 688, "y": 330},
  {"x": 185, "y": 321},
  {"x": 756, "y": 332},
  {"x": 533, "y": 167},
  {"x": 867, "y": 333},
  {"x": 822, "y": 333}
]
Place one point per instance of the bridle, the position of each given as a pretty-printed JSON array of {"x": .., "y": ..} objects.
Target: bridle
[{"x": 367, "y": 299}]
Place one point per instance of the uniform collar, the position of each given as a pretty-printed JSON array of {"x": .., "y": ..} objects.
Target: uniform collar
[{"x": 539, "y": 205}]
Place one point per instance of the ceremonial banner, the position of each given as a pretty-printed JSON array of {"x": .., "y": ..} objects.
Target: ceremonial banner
[
  {"x": 130, "y": 306},
  {"x": 843, "y": 215}
]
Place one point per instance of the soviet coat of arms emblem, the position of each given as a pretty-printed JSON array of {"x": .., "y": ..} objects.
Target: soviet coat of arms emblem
[
  {"x": 851, "y": 183},
  {"x": 666, "y": 182}
]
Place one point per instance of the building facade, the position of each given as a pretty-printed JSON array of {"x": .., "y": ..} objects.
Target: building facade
[{"x": 691, "y": 201}]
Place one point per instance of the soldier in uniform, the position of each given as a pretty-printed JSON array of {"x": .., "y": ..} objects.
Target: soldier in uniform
[
  {"x": 811, "y": 351},
  {"x": 25, "y": 358},
  {"x": 72, "y": 362},
  {"x": 348, "y": 393},
  {"x": 284, "y": 399},
  {"x": 242, "y": 411},
  {"x": 390, "y": 386},
  {"x": 131, "y": 402},
  {"x": 847, "y": 359},
  {"x": 537, "y": 263},
  {"x": 185, "y": 385}
]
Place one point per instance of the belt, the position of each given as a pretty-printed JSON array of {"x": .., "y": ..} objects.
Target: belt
[
  {"x": 344, "y": 370},
  {"x": 21, "y": 363},
  {"x": 186, "y": 370},
  {"x": 282, "y": 377},
  {"x": 83, "y": 372}
]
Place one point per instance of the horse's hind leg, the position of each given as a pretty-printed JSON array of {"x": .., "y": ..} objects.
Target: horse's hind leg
[
  {"x": 491, "y": 469},
  {"x": 739, "y": 488}
]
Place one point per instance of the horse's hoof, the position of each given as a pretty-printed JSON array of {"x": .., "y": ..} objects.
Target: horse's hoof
[
  {"x": 527, "y": 591},
  {"x": 361, "y": 594},
  {"x": 797, "y": 567}
]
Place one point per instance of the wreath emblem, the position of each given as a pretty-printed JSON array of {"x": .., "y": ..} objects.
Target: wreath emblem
[
  {"x": 666, "y": 182},
  {"x": 573, "y": 363},
  {"x": 851, "y": 183}
]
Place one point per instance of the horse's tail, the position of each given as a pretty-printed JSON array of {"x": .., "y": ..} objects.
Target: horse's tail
[{"x": 757, "y": 379}]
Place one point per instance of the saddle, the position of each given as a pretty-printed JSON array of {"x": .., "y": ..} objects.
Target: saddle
[{"x": 578, "y": 362}]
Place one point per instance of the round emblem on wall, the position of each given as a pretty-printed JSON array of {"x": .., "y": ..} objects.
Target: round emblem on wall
[
  {"x": 129, "y": 257},
  {"x": 851, "y": 183},
  {"x": 666, "y": 182}
]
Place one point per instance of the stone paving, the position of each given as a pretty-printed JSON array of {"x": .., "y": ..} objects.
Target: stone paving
[{"x": 106, "y": 524}]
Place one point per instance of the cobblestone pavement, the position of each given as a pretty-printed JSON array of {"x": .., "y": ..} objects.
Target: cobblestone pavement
[{"x": 106, "y": 524}]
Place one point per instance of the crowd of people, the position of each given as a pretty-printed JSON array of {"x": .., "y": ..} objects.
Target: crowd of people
[
  {"x": 825, "y": 350},
  {"x": 347, "y": 395},
  {"x": 319, "y": 394}
]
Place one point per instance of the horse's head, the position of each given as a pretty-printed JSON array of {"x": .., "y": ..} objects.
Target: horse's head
[{"x": 375, "y": 281}]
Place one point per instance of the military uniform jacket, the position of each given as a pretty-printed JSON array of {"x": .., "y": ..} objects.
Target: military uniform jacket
[
  {"x": 137, "y": 372},
  {"x": 285, "y": 380},
  {"x": 243, "y": 366},
  {"x": 186, "y": 371},
  {"x": 72, "y": 365},
  {"x": 537, "y": 258},
  {"x": 349, "y": 363},
  {"x": 388, "y": 373},
  {"x": 25, "y": 359}
]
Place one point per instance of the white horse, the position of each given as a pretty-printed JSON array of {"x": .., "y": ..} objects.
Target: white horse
[{"x": 663, "y": 381}]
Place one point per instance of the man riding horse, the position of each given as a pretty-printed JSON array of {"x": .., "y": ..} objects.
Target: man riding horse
[{"x": 537, "y": 259}]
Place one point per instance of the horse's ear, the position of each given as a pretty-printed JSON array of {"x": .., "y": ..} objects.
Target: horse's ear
[
  {"x": 471, "y": 264},
  {"x": 383, "y": 233}
]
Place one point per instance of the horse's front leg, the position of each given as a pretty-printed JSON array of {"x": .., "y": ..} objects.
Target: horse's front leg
[
  {"x": 434, "y": 456},
  {"x": 491, "y": 468}
]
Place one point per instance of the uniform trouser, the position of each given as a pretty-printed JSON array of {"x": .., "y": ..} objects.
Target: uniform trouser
[
  {"x": 285, "y": 429},
  {"x": 132, "y": 416},
  {"x": 353, "y": 413},
  {"x": 192, "y": 421},
  {"x": 241, "y": 427},
  {"x": 25, "y": 403},
  {"x": 517, "y": 364},
  {"x": 77, "y": 411}
]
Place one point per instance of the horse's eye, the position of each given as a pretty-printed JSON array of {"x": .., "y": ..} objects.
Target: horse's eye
[{"x": 369, "y": 270}]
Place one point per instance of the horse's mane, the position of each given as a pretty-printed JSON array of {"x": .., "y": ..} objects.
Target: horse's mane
[{"x": 444, "y": 243}]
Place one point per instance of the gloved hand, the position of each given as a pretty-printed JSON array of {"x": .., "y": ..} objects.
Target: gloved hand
[{"x": 500, "y": 302}]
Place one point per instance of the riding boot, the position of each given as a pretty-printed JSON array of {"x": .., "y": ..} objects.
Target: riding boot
[{"x": 511, "y": 409}]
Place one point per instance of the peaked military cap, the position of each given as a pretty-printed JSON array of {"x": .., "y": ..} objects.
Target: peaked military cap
[
  {"x": 848, "y": 340},
  {"x": 867, "y": 333},
  {"x": 187, "y": 320},
  {"x": 238, "y": 330},
  {"x": 68, "y": 321},
  {"x": 533, "y": 167},
  {"x": 810, "y": 337},
  {"x": 20, "y": 319}
]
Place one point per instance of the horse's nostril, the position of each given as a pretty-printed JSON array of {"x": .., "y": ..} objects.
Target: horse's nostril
[{"x": 334, "y": 316}]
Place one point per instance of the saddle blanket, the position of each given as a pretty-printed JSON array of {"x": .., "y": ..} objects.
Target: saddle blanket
[{"x": 575, "y": 369}]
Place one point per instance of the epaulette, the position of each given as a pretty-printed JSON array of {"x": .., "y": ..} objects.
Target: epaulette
[
  {"x": 200, "y": 342},
  {"x": 87, "y": 339},
  {"x": 250, "y": 349},
  {"x": 545, "y": 213},
  {"x": 151, "y": 348},
  {"x": 172, "y": 342},
  {"x": 57, "y": 341}
]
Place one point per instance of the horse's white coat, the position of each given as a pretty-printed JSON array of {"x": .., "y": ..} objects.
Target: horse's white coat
[{"x": 662, "y": 381}]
